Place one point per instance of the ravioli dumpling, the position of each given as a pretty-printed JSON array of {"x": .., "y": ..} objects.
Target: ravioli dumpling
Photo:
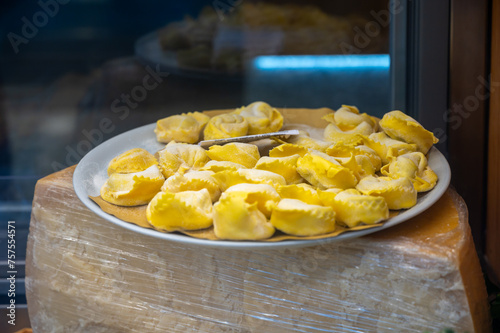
[
  {"x": 414, "y": 166},
  {"x": 360, "y": 165},
  {"x": 387, "y": 147},
  {"x": 400, "y": 126},
  {"x": 228, "y": 178},
  {"x": 237, "y": 217},
  {"x": 181, "y": 157},
  {"x": 347, "y": 126},
  {"x": 327, "y": 196},
  {"x": 261, "y": 117},
  {"x": 264, "y": 195},
  {"x": 347, "y": 117},
  {"x": 288, "y": 149},
  {"x": 334, "y": 134},
  {"x": 132, "y": 189},
  {"x": 298, "y": 218},
  {"x": 303, "y": 192},
  {"x": 398, "y": 193},
  {"x": 343, "y": 150},
  {"x": 285, "y": 166},
  {"x": 193, "y": 181},
  {"x": 242, "y": 153},
  {"x": 354, "y": 208},
  {"x": 133, "y": 160},
  {"x": 189, "y": 210},
  {"x": 185, "y": 127},
  {"x": 305, "y": 141},
  {"x": 323, "y": 171},
  {"x": 227, "y": 125},
  {"x": 216, "y": 166}
]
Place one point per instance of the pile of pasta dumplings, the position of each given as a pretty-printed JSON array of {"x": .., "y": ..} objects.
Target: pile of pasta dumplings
[{"x": 362, "y": 168}]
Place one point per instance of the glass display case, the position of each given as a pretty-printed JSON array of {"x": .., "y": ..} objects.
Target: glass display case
[{"x": 76, "y": 73}]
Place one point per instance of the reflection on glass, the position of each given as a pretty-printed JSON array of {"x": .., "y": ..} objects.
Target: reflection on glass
[{"x": 333, "y": 62}]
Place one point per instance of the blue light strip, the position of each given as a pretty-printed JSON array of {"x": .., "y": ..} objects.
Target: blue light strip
[{"x": 322, "y": 62}]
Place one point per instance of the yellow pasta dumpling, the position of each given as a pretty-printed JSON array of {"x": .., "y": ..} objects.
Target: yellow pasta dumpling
[
  {"x": 298, "y": 218},
  {"x": 334, "y": 134},
  {"x": 261, "y": 117},
  {"x": 360, "y": 165},
  {"x": 343, "y": 150},
  {"x": 216, "y": 166},
  {"x": 303, "y": 192},
  {"x": 229, "y": 178},
  {"x": 199, "y": 116},
  {"x": 305, "y": 141},
  {"x": 285, "y": 166},
  {"x": 347, "y": 118},
  {"x": 237, "y": 217},
  {"x": 181, "y": 157},
  {"x": 132, "y": 189},
  {"x": 133, "y": 160},
  {"x": 185, "y": 127},
  {"x": 327, "y": 196},
  {"x": 189, "y": 210},
  {"x": 386, "y": 147},
  {"x": 242, "y": 153},
  {"x": 400, "y": 126},
  {"x": 193, "y": 181},
  {"x": 288, "y": 149},
  {"x": 353, "y": 208},
  {"x": 398, "y": 193},
  {"x": 227, "y": 125},
  {"x": 347, "y": 126},
  {"x": 414, "y": 166},
  {"x": 323, "y": 171},
  {"x": 264, "y": 195}
]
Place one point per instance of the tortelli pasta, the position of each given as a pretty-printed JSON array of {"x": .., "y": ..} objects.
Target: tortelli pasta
[
  {"x": 236, "y": 152},
  {"x": 226, "y": 126},
  {"x": 133, "y": 160},
  {"x": 188, "y": 210},
  {"x": 181, "y": 128},
  {"x": 285, "y": 166},
  {"x": 237, "y": 216},
  {"x": 181, "y": 158},
  {"x": 132, "y": 189},
  {"x": 305, "y": 186},
  {"x": 261, "y": 117}
]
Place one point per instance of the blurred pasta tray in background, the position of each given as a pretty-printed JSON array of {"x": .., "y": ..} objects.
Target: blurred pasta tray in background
[{"x": 253, "y": 29}]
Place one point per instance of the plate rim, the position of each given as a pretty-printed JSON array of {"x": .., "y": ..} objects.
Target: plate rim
[{"x": 436, "y": 158}]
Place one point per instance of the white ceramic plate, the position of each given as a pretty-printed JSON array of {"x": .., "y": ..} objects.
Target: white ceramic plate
[{"x": 91, "y": 173}]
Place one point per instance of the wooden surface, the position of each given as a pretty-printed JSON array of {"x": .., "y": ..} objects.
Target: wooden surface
[
  {"x": 493, "y": 183},
  {"x": 467, "y": 110},
  {"x": 25, "y": 330}
]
